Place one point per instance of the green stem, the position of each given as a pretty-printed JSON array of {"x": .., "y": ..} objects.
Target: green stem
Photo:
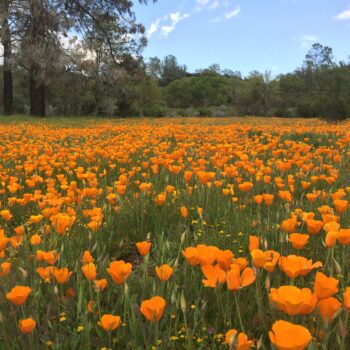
[
  {"x": 238, "y": 311},
  {"x": 345, "y": 331}
]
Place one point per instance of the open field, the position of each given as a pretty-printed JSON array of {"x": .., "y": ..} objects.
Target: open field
[{"x": 250, "y": 215}]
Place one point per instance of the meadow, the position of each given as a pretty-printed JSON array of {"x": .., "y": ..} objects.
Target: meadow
[{"x": 198, "y": 233}]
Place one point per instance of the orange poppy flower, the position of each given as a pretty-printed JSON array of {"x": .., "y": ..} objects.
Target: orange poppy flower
[
  {"x": 329, "y": 308},
  {"x": 19, "y": 230},
  {"x": 341, "y": 205},
  {"x": 153, "y": 308},
  {"x": 19, "y": 294},
  {"x": 89, "y": 271},
  {"x": 266, "y": 260},
  {"x": 292, "y": 300},
  {"x": 245, "y": 186},
  {"x": 3, "y": 240},
  {"x": 27, "y": 325},
  {"x": 50, "y": 257},
  {"x": 254, "y": 242},
  {"x": 314, "y": 226},
  {"x": 188, "y": 175},
  {"x": 311, "y": 197},
  {"x": 331, "y": 226},
  {"x": 224, "y": 258},
  {"x": 331, "y": 239},
  {"x": 45, "y": 272},
  {"x": 184, "y": 212},
  {"x": 6, "y": 215},
  {"x": 241, "y": 262},
  {"x": 70, "y": 293},
  {"x": 235, "y": 280},
  {"x": 169, "y": 189},
  {"x": 90, "y": 306},
  {"x": 288, "y": 336},
  {"x": 143, "y": 247},
  {"x": 5, "y": 268},
  {"x": 207, "y": 254},
  {"x": 62, "y": 275},
  {"x": 238, "y": 341},
  {"x": 35, "y": 240},
  {"x": 298, "y": 240},
  {"x": 119, "y": 271},
  {"x": 294, "y": 266},
  {"x": 155, "y": 169},
  {"x": 109, "y": 322},
  {"x": 324, "y": 286},
  {"x": 289, "y": 225},
  {"x": 258, "y": 199},
  {"x": 214, "y": 275},
  {"x": 268, "y": 198},
  {"x": 87, "y": 257},
  {"x": 164, "y": 272},
  {"x": 343, "y": 236},
  {"x": 16, "y": 241},
  {"x": 160, "y": 199},
  {"x": 35, "y": 219},
  {"x": 121, "y": 189},
  {"x": 100, "y": 284},
  {"x": 305, "y": 185},
  {"x": 62, "y": 222},
  {"x": 267, "y": 179},
  {"x": 285, "y": 195},
  {"x": 191, "y": 255},
  {"x": 325, "y": 209},
  {"x": 346, "y": 298}
]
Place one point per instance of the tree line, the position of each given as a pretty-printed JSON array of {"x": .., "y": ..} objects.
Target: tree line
[{"x": 84, "y": 57}]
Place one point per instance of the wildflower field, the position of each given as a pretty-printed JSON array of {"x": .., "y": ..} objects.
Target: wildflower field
[{"x": 174, "y": 234}]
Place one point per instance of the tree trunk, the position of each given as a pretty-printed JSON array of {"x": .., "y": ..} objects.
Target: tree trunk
[
  {"x": 37, "y": 84},
  {"x": 37, "y": 97},
  {"x": 7, "y": 65}
]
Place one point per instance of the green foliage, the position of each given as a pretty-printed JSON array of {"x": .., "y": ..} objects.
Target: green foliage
[
  {"x": 208, "y": 88},
  {"x": 320, "y": 88}
]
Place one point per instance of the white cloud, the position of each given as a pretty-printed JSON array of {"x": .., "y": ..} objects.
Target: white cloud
[
  {"x": 233, "y": 13},
  {"x": 209, "y": 4},
  {"x": 227, "y": 15},
  {"x": 153, "y": 28},
  {"x": 307, "y": 40},
  {"x": 175, "y": 18},
  {"x": 345, "y": 15}
]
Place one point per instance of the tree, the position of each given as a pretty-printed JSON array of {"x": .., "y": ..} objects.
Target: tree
[
  {"x": 171, "y": 70},
  {"x": 154, "y": 68},
  {"x": 319, "y": 56},
  {"x": 207, "y": 88},
  {"x": 250, "y": 95},
  {"x": 47, "y": 20},
  {"x": 5, "y": 9}
]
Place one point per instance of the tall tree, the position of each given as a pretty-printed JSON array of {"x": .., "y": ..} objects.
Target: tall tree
[
  {"x": 319, "y": 56},
  {"x": 154, "y": 68},
  {"x": 171, "y": 70},
  {"x": 48, "y": 20},
  {"x": 7, "y": 64}
]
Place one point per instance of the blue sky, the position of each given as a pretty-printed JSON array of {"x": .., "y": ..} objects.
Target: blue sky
[{"x": 245, "y": 35}]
